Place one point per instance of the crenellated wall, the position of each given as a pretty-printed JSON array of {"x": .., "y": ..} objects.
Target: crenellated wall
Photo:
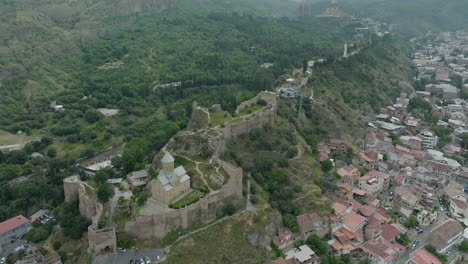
[
  {"x": 269, "y": 97},
  {"x": 99, "y": 240},
  {"x": 255, "y": 121}
]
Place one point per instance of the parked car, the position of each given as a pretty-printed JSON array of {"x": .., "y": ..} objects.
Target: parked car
[
  {"x": 2, "y": 260},
  {"x": 148, "y": 261},
  {"x": 131, "y": 261},
  {"x": 121, "y": 250},
  {"x": 158, "y": 258}
]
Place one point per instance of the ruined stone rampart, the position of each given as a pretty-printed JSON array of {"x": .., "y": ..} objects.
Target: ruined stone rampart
[
  {"x": 70, "y": 188},
  {"x": 269, "y": 97},
  {"x": 99, "y": 240},
  {"x": 255, "y": 121},
  {"x": 201, "y": 212},
  {"x": 212, "y": 205}
]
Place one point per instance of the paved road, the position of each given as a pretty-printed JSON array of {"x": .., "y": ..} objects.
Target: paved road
[
  {"x": 126, "y": 257},
  {"x": 423, "y": 237},
  {"x": 10, "y": 248}
]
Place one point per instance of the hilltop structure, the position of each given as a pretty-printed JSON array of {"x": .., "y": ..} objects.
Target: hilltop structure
[{"x": 171, "y": 183}]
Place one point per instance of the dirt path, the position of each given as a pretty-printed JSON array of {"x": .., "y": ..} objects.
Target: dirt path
[{"x": 197, "y": 163}]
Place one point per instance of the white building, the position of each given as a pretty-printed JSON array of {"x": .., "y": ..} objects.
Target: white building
[{"x": 429, "y": 139}]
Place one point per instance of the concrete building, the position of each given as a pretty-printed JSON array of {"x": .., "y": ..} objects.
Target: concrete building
[
  {"x": 429, "y": 140},
  {"x": 171, "y": 183},
  {"x": 371, "y": 184},
  {"x": 405, "y": 201},
  {"x": 13, "y": 228},
  {"x": 379, "y": 253},
  {"x": 338, "y": 145},
  {"x": 446, "y": 235},
  {"x": 302, "y": 255},
  {"x": 138, "y": 178},
  {"x": 308, "y": 223}
]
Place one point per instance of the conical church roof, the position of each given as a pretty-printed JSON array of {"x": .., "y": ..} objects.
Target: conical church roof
[{"x": 167, "y": 158}]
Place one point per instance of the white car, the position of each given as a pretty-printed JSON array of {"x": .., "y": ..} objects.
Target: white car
[{"x": 2, "y": 260}]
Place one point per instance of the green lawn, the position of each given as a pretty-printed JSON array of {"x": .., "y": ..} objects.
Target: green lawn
[{"x": 190, "y": 198}]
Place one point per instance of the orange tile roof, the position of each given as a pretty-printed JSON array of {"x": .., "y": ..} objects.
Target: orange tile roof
[
  {"x": 13, "y": 223},
  {"x": 353, "y": 221},
  {"x": 423, "y": 256}
]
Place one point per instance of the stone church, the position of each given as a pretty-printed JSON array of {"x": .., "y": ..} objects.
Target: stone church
[{"x": 170, "y": 183}]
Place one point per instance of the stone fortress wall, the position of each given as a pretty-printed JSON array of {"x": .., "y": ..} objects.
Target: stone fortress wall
[
  {"x": 99, "y": 240},
  {"x": 159, "y": 225},
  {"x": 201, "y": 212},
  {"x": 255, "y": 121},
  {"x": 209, "y": 207}
]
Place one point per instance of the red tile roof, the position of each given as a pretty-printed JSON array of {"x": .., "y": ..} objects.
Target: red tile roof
[
  {"x": 423, "y": 256},
  {"x": 378, "y": 174},
  {"x": 389, "y": 232},
  {"x": 13, "y": 223},
  {"x": 353, "y": 221},
  {"x": 306, "y": 221},
  {"x": 367, "y": 210}
]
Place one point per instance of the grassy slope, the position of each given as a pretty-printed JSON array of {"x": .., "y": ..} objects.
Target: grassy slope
[
  {"x": 352, "y": 88},
  {"x": 224, "y": 242}
]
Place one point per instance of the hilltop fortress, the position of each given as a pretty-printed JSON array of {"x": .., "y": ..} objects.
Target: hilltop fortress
[{"x": 171, "y": 183}]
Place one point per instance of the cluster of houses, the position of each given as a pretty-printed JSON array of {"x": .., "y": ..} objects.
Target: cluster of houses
[
  {"x": 402, "y": 171},
  {"x": 19, "y": 251},
  {"x": 439, "y": 62}
]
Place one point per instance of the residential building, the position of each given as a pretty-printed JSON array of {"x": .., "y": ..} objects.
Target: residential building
[
  {"x": 454, "y": 190},
  {"x": 427, "y": 216},
  {"x": 308, "y": 223},
  {"x": 378, "y": 252},
  {"x": 412, "y": 142},
  {"x": 284, "y": 240},
  {"x": 423, "y": 256},
  {"x": 441, "y": 170},
  {"x": 338, "y": 145},
  {"x": 349, "y": 174},
  {"x": 459, "y": 208},
  {"x": 371, "y": 184},
  {"x": 382, "y": 177},
  {"x": 323, "y": 151},
  {"x": 354, "y": 222},
  {"x": 13, "y": 228},
  {"x": 404, "y": 200},
  {"x": 138, "y": 178},
  {"x": 302, "y": 255},
  {"x": 446, "y": 235},
  {"x": 429, "y": 139}
]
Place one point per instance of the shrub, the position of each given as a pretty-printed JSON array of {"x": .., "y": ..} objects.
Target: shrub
[
  {"x": 56, "y": 245},
  {"x": 230, "y": 209}
]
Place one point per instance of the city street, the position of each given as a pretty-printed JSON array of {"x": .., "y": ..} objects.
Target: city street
[
  {"x": 423, "y": 237},
  {"x": 11, "y": 248},
  {"x": 126, "y": 257}
]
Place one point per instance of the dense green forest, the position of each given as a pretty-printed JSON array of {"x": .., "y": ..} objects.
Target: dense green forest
[{"x": 214, "y": 57}]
